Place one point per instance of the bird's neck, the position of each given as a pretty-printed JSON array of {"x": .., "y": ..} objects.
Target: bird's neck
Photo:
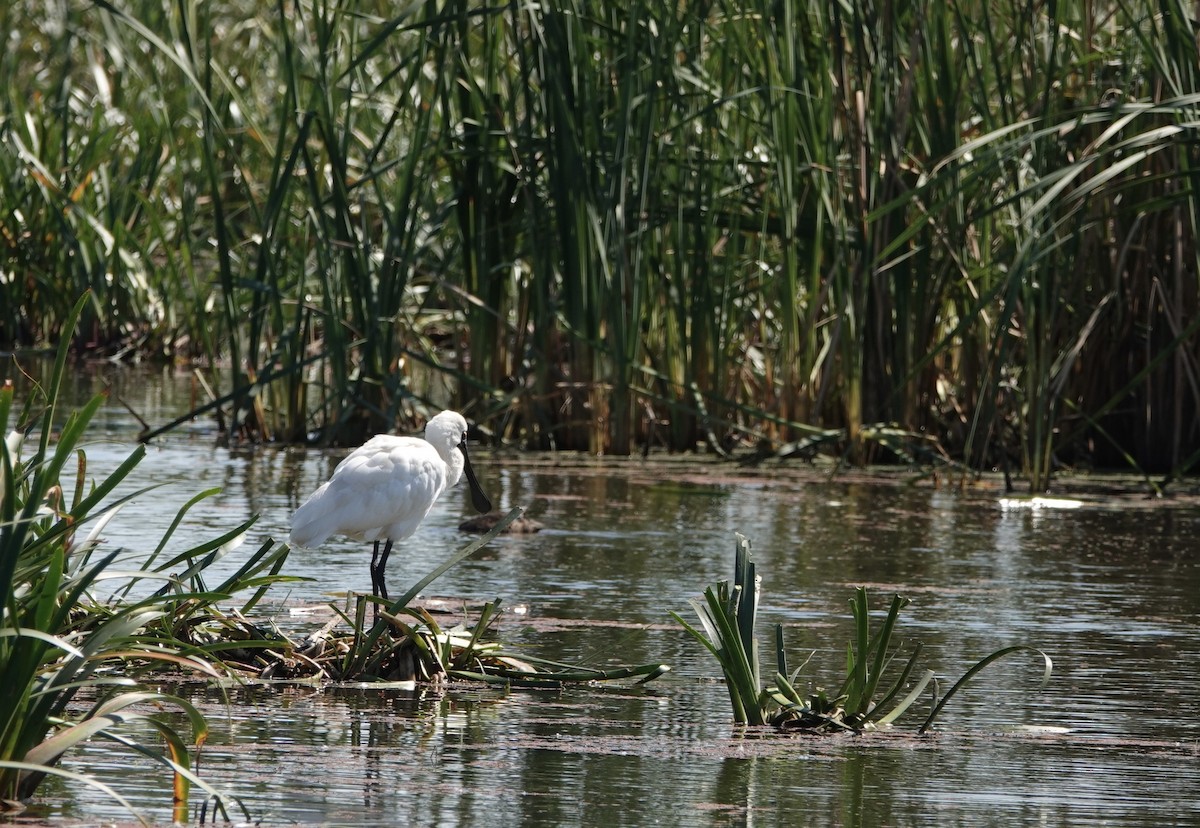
[{"x": 454, "y": 466}]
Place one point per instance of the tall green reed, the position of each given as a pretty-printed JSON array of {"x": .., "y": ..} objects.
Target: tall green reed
[{"x": 859, "y": 224}]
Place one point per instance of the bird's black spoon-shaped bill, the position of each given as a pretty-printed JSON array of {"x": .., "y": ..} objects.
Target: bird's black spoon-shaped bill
[{"x": 478, "y": 498}]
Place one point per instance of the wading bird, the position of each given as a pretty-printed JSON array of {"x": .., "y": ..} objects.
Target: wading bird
[{"x": 384, "y": 489}]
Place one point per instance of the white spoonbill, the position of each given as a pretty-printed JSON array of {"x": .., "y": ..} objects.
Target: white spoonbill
[{"x": 385, "y": 488}]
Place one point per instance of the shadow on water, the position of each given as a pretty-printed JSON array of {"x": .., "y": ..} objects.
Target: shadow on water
[{"x": 1111, "y": 591}]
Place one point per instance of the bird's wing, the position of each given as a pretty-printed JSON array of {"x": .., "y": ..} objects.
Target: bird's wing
[
  {"x": 381, "y": 446},
  {"x": 395, "y": 494}
]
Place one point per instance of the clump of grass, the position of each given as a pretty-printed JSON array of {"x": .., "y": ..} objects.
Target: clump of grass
[
  {"x": 861, "y": 702},
  {"x": 728, "y": 616},
  {"x": 865, "y": 699},
  {"x": 413, "y": 646},
  {"x": 60, "y": 645},
  {"x": 408, "y": 643}
]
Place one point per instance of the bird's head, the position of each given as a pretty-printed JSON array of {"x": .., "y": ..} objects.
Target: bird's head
[{"x": 446, "y": 432}]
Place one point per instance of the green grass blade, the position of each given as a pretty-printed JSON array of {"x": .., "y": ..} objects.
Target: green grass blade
[{"x": 980, "y": 665}]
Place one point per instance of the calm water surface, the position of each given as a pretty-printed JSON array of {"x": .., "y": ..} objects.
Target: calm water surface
[{"x": 1111, "y": 591}]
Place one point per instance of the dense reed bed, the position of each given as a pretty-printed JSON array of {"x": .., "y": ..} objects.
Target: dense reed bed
[{"x": 885, "y": 230}]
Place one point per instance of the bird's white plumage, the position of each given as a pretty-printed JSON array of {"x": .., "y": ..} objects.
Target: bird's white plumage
[{"x": 386, "y": 487}]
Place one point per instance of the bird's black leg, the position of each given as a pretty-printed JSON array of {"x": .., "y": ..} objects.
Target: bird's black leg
[
  {"x": 378, "y": 573},
  {"x": 387, "y": 550},
  {"x": 374, "y": 563}
]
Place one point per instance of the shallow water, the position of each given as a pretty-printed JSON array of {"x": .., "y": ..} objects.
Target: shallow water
[{"x": 1111, "y": 591}]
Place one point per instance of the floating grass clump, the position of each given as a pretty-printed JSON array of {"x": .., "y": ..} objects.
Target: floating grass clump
[
  {"x": 409, "y": 647},
  {"x": 865, "y": 700},
  {"x": 409, "y": 644}
]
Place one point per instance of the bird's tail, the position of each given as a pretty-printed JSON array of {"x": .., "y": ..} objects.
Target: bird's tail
[{"x": 313, "y": 522}]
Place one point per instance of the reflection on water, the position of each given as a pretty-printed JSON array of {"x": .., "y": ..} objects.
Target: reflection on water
[{"x": 1110, "y": 591}]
